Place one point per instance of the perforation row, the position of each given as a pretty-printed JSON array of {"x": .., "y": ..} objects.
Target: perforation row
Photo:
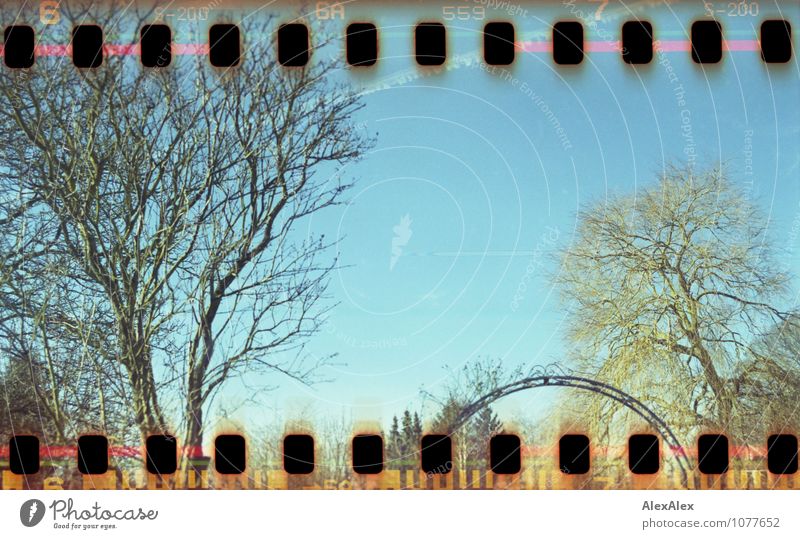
[
  {"x": 361, "y": 39},
  {"x": 435, "y": 454}
]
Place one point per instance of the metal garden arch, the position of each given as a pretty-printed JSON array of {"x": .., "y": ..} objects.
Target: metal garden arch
[{"x": 561, "y": 379}]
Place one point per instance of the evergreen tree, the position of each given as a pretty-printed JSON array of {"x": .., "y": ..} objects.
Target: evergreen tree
[
  {"x": 417, "y": 427},
  {"x": 482, "y": 427},
  {"x": 446, "y": 416},
  {"x": 409, "y": 443},
  {"x": 487, "y": 424},
  {"x": 393, "y": 443}
]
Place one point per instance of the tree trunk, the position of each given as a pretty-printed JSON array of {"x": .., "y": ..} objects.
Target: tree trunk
[
  {"x": 200, "y": 359},
  {"x": 145, "y": 402},
  {"x": 717, "y": 384},
  {"x": 193, "y": 441}
]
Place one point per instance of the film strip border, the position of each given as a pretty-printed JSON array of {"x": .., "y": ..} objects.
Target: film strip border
[
  {"x": 636, "y": 45},
  {"x": 434, "y": 458}
]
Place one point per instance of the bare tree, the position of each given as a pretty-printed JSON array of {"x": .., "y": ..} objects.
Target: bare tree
[
  {"x": 258, "y": 286},
  {"x": 768, "y": 384},
  {"x": 667, "y": 289},
  {"x": 474, "y": 380},
  {"x": 170, "y": 200},
  {"x": 56, "y": 381}
]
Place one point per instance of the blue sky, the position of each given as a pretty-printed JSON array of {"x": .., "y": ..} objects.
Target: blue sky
[{"x": 445, "y": 240}]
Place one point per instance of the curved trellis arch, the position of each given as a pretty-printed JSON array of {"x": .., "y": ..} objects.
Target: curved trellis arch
[{"x": 587, "y": 384}]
